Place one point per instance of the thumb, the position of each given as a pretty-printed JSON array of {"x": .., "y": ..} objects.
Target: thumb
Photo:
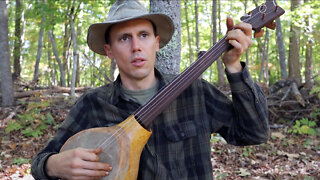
[
  {"x": 96, "y": 151},
  {"x": 230, "y": 23}
]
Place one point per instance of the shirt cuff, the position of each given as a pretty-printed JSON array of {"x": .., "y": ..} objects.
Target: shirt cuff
[
  {"x": 39, "y": 170},
  {"x": 240, "y": 81}
]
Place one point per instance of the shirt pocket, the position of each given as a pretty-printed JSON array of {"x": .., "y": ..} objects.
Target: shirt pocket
[{"x": 181, "y": 131}]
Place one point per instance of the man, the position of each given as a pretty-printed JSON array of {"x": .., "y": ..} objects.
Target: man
[{"x": 179, "y": 147}]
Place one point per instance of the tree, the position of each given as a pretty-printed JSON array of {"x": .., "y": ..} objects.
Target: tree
[
  {"x": 168, "y": 58},
  {"x": 308, "y": 62},
  {"x": 6, "y": 78},
  {"x": 294, "y": 47},
  {"x": 221, "y": 79},
  {"x": 281, "y": 50},
  {"x": 39, "y": 52},
  {"x": 66, "y": 40},
  {"x": 18, "y": 40},
  {"x": 55, "y": 52},
  {"x": 264, "y": 57},
  {"x": 75, "y": 53},
  {"x": 196, "y": 14},
  {"x": 188, "y": 31}
]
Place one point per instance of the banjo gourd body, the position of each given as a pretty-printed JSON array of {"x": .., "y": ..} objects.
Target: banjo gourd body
[{"x": 121, "y": 146}]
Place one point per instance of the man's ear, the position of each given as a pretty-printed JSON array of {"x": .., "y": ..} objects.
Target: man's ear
[
  {"x": 107, "y": 49},
  {"x": 157, "y": 43}
]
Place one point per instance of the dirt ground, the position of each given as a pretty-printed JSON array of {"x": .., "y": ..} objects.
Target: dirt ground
[{"x": 285, "y": 156}]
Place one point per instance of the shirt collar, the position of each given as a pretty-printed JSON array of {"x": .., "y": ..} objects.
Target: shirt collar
[{"x": 116, "y": 85}]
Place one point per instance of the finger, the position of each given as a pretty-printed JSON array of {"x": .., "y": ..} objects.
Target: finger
[
  {"x": 259, "y": 34},
  {"x": 237, "y": 46},
  {"x": 96, "y": 151},
  {"x": 245, "y": 27},
  {"x": 240, "y": 37},
  {"x": 96, "y": 166},
  {"x": 85, "y": 178},
  {"x": 90, "y": 173},
  {"x": 91, "y": 154},
  {"x": 230, "y": 23}
]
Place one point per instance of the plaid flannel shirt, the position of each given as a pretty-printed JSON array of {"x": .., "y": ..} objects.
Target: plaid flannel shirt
[{"x": 179, "y": 147}]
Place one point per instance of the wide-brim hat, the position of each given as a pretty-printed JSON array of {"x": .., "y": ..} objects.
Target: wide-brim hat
[{"x": 125, "y": 10}]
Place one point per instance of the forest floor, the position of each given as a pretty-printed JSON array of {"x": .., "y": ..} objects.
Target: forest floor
[{"x": 284, "y": 156}]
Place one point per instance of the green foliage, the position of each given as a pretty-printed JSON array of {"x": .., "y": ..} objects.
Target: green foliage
[
  {"x": 220, "y": 175},
  {"x": 33, "y": 121},
  {"x": 20, "y": 160},
  {"x": 308, "y": 178},
  {"x": 316, "y": 88},
  {"x": 304, "y": 126},
  {"x": 247, "y": 151}
]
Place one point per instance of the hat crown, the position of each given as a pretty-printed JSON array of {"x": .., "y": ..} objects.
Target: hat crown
[{"x": 123, "y": 9}]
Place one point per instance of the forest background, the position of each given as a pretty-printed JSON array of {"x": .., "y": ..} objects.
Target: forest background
[{"x": 46, "y": 64}]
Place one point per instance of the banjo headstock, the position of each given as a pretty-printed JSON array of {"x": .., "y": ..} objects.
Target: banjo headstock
[{"x": 263, "y": 15}]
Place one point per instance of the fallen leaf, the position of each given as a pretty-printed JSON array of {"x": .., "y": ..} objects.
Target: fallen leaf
[
  {"x": 262, "y": 156},
  {"x": 243, "y": 172},
  {"x": 12, "y": 146},
  {"x": 278, "y": 135},
  {"x": 291, "y": 156}
]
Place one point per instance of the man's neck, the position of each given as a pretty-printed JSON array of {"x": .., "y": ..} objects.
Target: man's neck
[{"x": 139, "y": 84}]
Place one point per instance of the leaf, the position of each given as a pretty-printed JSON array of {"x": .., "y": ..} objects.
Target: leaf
[
  {"x": 278, "y": 135},
  {"x": 12, "y": 146},
  {"x": 292, "y": 156},
  {"x": 20, "y": 161},
  {"x": 244, "y": 172},
  {"x": 12, "y": 126},
  {"x": 50, "y": 119},
  {"x": 304, "y": 129}
]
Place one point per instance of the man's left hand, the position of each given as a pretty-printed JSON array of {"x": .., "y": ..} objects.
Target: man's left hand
[{"x": 240, "y": 37}]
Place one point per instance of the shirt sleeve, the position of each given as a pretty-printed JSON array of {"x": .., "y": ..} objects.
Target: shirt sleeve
[
  {"x": 69, "y": 127},
  {"x": 244, "y": 120}
]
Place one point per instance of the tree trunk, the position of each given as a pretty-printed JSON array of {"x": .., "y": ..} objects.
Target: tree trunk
[
  {"x": 266, "y": 55},
  {"x": 62, "y": 73},
  {"x": 113, "y": 67},
  {"x": 51, "y": 65},
  {"x": 281, "y": 50},
  {"x": 294, "y": 47},
  {"x": 75, "y": 59},
  {"x": 260, "y": 49},
  {"x": 5, "y": 68},
  {"x": 168, "y": 58},
  {"x": 66, "y": 43},
  {"x": 308, "y": 62},
  {"x": 188, "y": 31},
  {"x": 197, "y": 26},
  {"x": 264, "y": 52},
  {"x": 221, "y": 79},
  {"x": 39, "y": 52},
  {"x": 245, "y": 11},
  {"x": 79, "y": 29},
  {"x": 92, "y": 80},
  {"x": 17, "y": 40}
]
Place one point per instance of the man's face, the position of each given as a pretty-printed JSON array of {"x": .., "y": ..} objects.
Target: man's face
[{"x": 134, "y": 47}]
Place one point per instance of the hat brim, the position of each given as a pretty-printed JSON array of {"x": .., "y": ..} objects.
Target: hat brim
[{"x": 96, "y": 32}]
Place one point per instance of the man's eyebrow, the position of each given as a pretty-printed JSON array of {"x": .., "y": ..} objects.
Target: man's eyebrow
[{"x": 121, "y": 34}]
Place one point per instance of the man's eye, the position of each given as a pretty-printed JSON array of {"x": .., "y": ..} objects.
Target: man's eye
[
  {"x": 124, "y": 38},
  {"x": 144, "y": 35}
]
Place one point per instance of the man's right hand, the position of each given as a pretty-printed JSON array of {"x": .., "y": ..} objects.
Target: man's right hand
[{"x": 77, "y": 163}]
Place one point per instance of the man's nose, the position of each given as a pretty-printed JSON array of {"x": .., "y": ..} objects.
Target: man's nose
[{"x": 136, "y": 46}]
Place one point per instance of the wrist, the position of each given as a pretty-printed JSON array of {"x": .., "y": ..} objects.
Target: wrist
[
  {"x": 234, "y": 68},
  {"x": 48, "y": 166}
]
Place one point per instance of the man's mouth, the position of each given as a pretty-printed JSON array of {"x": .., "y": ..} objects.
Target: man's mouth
[{"x": 138, "y": 62}]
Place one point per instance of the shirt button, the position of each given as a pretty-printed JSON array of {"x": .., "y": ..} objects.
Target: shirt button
[{"x": 182, "y": 134}]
